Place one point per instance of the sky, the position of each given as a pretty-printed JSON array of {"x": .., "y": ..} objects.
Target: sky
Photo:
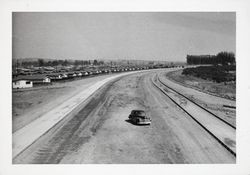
[{"x": 167, "y": 36}]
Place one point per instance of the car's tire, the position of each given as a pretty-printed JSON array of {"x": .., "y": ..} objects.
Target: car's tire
[{"x": 137, "y": 121}]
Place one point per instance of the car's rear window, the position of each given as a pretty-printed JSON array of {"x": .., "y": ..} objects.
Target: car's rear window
[{"x": 139, "y": 113}]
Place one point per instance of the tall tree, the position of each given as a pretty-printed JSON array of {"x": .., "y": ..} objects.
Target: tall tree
[
  {"x": 95, "y": 62},
  {"x": 65, "y": 63},
  {"x": 40, "y": 62},
  {"x": 55, "y": 63}
]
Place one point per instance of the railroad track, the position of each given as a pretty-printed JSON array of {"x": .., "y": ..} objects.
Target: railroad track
[
  {"x": 219, "y": 129},
  {"x": 216, "y": 116}
]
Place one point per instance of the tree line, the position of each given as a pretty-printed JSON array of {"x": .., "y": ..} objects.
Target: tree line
[
  {"x": 221, "y": 58},
  {"x": 43, "y": 62}
]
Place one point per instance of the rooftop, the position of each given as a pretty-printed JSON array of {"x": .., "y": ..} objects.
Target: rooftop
[{"x": 29, "y": 77}]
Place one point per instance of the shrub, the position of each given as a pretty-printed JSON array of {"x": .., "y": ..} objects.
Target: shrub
[{"x": 214, "y": 73}]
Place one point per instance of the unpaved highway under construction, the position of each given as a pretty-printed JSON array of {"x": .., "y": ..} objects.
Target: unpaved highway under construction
[{"x": 100, "y": 132}]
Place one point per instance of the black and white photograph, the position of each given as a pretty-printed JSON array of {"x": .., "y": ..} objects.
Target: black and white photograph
[
  {"x": 124, "y": 87},
  {"x": 144, "y": 87}
]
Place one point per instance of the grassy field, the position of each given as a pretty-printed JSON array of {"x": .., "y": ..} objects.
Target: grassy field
[
  {"x": 205, "y": 81},
  {"x": 214, "y": 73}
]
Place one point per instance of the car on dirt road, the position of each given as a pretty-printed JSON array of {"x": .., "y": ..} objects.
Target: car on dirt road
[{"x": 139, "y": 117}]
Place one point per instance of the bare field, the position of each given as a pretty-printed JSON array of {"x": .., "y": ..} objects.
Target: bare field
[{"x": 29, "y": 104}]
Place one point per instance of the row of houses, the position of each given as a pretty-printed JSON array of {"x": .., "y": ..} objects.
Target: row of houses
[{"x": 28, "y": 81}]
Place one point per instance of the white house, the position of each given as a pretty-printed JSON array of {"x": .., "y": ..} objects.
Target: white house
[
  {"x": 22, "y": 84},
  {"x": 79, "y": 74},
  {"x": 46, "y": 80},
  {"x": 72, "y": 74},
  {"x": 64, "y": 75},
  {"x": 55, "y": 76},
  {"x": 29, "y": 81}
]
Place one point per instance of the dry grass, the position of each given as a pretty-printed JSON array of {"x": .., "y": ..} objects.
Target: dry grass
[{"x": 226, "y": 90}]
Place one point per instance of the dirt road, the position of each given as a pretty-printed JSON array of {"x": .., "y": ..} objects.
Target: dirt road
[{"x": 100, "y": 132}]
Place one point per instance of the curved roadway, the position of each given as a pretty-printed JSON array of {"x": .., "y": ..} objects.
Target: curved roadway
[{"x": 100, "y": 132}]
